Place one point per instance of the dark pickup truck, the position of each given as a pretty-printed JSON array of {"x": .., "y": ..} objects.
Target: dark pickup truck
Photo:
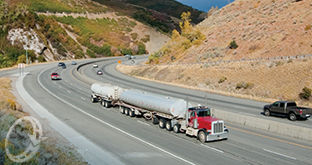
[{"x": 287, "y": 108}]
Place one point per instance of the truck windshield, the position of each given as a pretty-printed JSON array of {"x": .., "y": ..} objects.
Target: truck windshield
[
  {"x": 203, "y": 113},
  {"x": 291, "y": 104}
]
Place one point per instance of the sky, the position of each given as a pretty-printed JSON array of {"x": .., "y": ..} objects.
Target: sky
[{"x": 205, "y": 5}]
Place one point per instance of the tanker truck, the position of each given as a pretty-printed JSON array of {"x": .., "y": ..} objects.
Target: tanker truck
[{"x": 169, "y": 113}]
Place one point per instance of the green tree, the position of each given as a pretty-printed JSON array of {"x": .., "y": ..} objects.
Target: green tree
[
  {"x": 185, "y": 25},
  {"x": 175, "y": 34},
  {"x": 21, "y": 59}
]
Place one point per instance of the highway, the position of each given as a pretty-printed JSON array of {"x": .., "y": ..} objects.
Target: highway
[
  {"x": 232, "y": 104},
  {"x": 136, "y": 141}
]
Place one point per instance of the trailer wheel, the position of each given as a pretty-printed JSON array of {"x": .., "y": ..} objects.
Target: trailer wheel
[
  {"x": 105, "y": 104},
  {"x": 155, "y": 120},
  {"x": 122, "y": 110},
  {"x": 202, "y": 136},
  {"x": 127, "y": 111},
  {"x": 176, "y": 128},
  {"x": 162, "y": 123},
  {"x": 168, "y": 125},
  {"x": 131, "y": 113}
]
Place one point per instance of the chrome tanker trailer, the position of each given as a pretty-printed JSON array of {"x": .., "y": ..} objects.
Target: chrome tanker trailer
[{"x": 170, "y": 113}]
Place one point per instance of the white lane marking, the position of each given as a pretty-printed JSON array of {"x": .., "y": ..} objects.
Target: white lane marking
[
  {"x": 68, "y": 91},
  {"x": 143, "y": 123},
  {"x": 286, "y": 156},
  {"x": 212, "y": 148},
  {"x": 110, "y": 125},
  {"x": 82, "y": 98},
  {"x": 96, "y": 155}
]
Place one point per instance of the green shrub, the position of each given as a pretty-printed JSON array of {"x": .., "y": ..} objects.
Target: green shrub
[
  {"x": 233, "y": 45},
  {"x": 308, "y": 27},
  {"x": 154, "y": 57},
  {"x": 222, "y": 79},
  {"x": 142, "y": 49},
  {"x": 305, "y": 94},
  {"x": 146, "y": 38},
  {"x": 41, "y": 59},
  {"x": 21, "y": 59},
  {"x": 126, "y": 51},
  {"x": 244, "y": 85},
  {"x": 172, "y": 58},
  {"x": 91, "y": 54},
  {"x": 134, "y": 36}
]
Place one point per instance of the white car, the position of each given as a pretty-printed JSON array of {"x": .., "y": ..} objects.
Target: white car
[{"x": 95, "y": 66}]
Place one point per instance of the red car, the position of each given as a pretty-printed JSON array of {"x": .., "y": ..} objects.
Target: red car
[{"x": 55, "y": 76}]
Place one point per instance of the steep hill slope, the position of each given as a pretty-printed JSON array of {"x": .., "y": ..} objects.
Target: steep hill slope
[
  {"x": 70, "y": 29},
  {"x": 261, "y": 29},
  {"x": 161, "y": 14},
  {"x": 272, "y": 60}
]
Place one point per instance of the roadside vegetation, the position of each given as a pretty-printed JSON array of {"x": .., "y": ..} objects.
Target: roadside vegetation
[
  {"x": 50, "y": 152},
  {"x": 67, "y": 6},
  {"x": 180, "y": 41}
]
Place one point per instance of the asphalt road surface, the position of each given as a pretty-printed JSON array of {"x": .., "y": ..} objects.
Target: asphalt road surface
[{"x": 136, "y": 141}]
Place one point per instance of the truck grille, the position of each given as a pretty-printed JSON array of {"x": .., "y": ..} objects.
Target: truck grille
[{"x": 217, "y": 127}]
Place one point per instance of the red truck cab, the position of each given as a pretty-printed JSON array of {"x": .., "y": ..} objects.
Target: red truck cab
[{"x": 203, "y": 125}]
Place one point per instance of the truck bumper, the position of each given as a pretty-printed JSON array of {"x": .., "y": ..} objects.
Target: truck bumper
[
  {"x": 305, "y": 115},
  {"x": 219, "y": 136}
]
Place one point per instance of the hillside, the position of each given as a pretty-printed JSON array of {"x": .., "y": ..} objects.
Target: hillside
[
  {"x": 272, "y": 60},
  {"x": 161, "y": 14},
  {"x": 73, "y": 29},
  {"x": 261, "y": 29}
]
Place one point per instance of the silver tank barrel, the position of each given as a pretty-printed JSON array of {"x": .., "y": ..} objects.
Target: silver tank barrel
[
  {"x": 159, "y": 103},
  {"x": 106, "y": 90}
]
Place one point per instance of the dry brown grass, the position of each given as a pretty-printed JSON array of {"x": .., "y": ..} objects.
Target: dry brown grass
[
  {"x": 261, "y": 29},
  {"x": 267, "y": 81},
  {"x": 7, "y": 99}
]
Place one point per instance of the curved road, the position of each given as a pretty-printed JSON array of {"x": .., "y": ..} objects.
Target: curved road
[{"x": 136, "y": 141}]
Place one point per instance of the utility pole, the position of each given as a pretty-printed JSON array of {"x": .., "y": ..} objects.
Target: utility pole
[{"x": 26, "y": 57}]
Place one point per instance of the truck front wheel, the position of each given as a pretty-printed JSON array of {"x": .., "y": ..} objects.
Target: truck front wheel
[
  {"x": 292, "y": 116},
  {"x": 162, "y": 123},
  {"x": 176, "y": 128},
  {"x": 202, "y": 136}
]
